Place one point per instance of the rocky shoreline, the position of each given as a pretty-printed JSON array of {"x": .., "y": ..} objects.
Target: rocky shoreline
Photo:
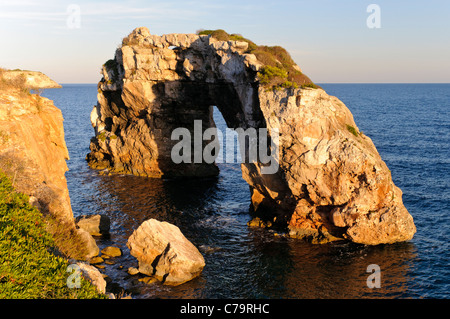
[{"x": 162, "y": 253}]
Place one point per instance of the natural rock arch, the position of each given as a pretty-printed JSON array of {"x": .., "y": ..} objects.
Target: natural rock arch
[{"x": 331, "y": 182}]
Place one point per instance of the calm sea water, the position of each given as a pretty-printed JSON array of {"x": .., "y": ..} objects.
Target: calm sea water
[{"x": 409, "y": 124}]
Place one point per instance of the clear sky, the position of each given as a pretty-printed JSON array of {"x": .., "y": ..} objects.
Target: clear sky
[{"x": 329, "y": 39}]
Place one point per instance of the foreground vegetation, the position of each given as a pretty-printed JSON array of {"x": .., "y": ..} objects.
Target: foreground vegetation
[
  {"x": 279, "y": 70},
  {"x": 30, "y": 262},
  {"x": 18, "y": 86}
]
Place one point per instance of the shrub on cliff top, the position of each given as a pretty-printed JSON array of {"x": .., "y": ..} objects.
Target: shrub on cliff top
[
  {"x": 28, "y": 268},
  {"x": 112, "y": 65},
  {"x": 279, "y": 69},
  {"x": 275, "y": 78},
  {"x": 222, "y": 35},
  {"x": 16, "y": 83}
]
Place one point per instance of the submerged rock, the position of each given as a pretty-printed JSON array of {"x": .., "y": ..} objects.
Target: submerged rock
[
  {"x": 96, "y": 260},
  {"x": 112, "y": 251},
  {"x": 132, "y": 271},
  {"x": 257, "y": 222},
  {"x": 330, "y": 182},
  {"x": 164, "y": 252}
]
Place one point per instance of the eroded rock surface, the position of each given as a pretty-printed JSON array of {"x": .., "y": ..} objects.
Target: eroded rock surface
[
  {"x": 331, "y": 174},
  {"x": 32, "y": 79},
  {"x": 95, "y": 225},
  {"x": 33, "y": 150},
  {"x": 164, "y": 252},
  {"x": 331, "y": 183},
  {"x": 93, "y": 275},
  {"x": 33, "y": 154}
]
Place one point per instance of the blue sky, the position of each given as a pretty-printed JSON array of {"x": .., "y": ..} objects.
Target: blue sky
[{"x": 329, "y": 39}]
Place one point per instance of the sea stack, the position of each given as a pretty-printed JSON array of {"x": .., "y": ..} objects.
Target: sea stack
[{"x": 331, "y": 183}]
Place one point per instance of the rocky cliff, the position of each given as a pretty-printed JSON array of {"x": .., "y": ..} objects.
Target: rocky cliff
[
  {"x": 33, "y": 153},
  {"x": 331, "y": 182},
  {"x": 32, "y": 79}
]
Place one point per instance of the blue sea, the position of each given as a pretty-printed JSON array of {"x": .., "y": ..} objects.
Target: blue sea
[{"x": 408, "y": 123}]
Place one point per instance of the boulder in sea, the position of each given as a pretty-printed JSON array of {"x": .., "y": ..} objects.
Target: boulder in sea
[
  {"x": 90, "y": 246},
  {"x": 164, "y": 252},
  {"x": 96, "y": 225}
]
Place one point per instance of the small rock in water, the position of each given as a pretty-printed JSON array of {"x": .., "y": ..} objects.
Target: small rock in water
[
  {"x": 208, "y": 249},
  {"x": 133, "y": 271},
  {"x": 96, "y": 260},
  {"x": 112, "y": 251},
  {"x": 257, "y": 222},
  {"x": 148, "y": 280}
]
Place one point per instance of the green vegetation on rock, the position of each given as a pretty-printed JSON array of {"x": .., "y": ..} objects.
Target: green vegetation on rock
[
  {"x": 279, "y": 70},
  {"x": 352, "y": 130},
  {"x": 222, "y": 35},
  {"x": 111, "y": 65},
  {"x": 29, "y": 263},
  {"x": 17, "y": 84}
]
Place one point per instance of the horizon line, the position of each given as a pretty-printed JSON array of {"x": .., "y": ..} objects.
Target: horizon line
[{"x": 91, "y": 83}]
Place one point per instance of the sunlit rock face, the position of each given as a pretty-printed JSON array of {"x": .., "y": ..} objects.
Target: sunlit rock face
[
  {"x": 33, "y": 154},
  {"x": 330, "y": 181}
]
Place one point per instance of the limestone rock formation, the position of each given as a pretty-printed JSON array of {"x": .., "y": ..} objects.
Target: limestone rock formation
[
  {"x": 34, "y": 151},
  {"x": 164, "y": 252},
  {"x": 32, "y": 79},
  {"x": 33, "y": 154},
  {"x": 331, "y": 175},
  {"x": 331, "y": 182},
  {"x": 90, "y": 248}
]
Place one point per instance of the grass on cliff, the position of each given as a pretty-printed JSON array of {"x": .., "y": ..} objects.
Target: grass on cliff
[
  {"x": 18, "y": 86},
  {"x": 352, "y": 130},
  {"x": 279, "y": 69},
  {"x": 29, "y": 268}
]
